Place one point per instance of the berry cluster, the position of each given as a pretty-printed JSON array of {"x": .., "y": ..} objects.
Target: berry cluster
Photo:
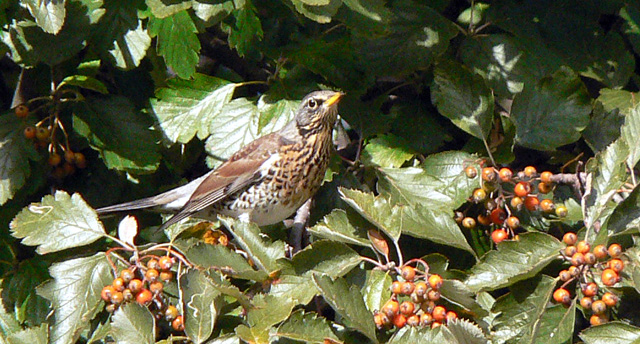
[
  {"x": 144, "y": 284},
  {"x": 585, "y": 263},
  {"x": 413, "y": 302},
  {"x": 503, "y": 194}
]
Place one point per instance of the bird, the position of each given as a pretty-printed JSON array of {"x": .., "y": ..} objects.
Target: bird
[{"x": 264, "y": 182}]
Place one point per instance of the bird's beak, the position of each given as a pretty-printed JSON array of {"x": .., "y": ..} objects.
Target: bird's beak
[{"x": 334, "y": 99}]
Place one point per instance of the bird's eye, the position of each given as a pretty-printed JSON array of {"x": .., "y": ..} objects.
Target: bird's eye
[{"x": 313, "y": 103}]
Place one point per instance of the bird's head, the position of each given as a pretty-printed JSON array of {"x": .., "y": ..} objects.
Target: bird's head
[{"x": 318, "y": 111}]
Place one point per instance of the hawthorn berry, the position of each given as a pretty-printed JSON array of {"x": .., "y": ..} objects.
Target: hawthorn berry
[
  {"x": 530, "y": 171},
  {"x": 590, "y": 258},
  {"x": 135, "y": 285},
  {"x": 600, "y": 251},
  {"x": 586, "y": 302},
  {"x": 166, "y": 276},
  {"x": 484, "y": 220},
  {"x": 433, "y": 295},
  {"x": 570, "y": 238},
  {"x": 598, "y": 319},
  {"x": 544, "y": 188},
  {"x": 80, "y": 160},
  {"x": 499, "y": 235},
  {"x": 151, "y": 275},
  {"x": 490, "y": 204},
  {"x": 22, "y": 111},
  {"x": 591, "y": 289},
  {"x": 489, "y": 174},
  {"x": 106, "y": 293},
  {"x": 616, "y": 265},
  {"x": 598, "y": 307},
  {"x": 531, "y": 203},
  {"x": 407, "y": 288},
  {"x": 615, "y": 250},
  {"x": 165, "y": 263},
  {"x": 609, "y": 277},
  {"x": 413, "y": 320},
  {"x": 439, "y": 313},
  {"x": 561, "y": 211},
  {"x": 471, "y": 172},
  {"x": 377, "y": 319},
  {"x": 117, "y": 298},
  {"x": 451, "y": 315},
  {"x": 517, "y": 203},
  {"x": 583, "y": 247},
  {"x": 561, "y": 295},
  {"x": 407, "y": 308},
  {"x": 391, "y": 308},
  {"x": 30, "y": 133},
  {"x": 178, "y": 323},
  {"x": 153, "y": 264},
  {"x": 468, "y": 222},
  {"x": 408, "y": 273},
  {"x": 574, "y": 271},
  {"x": 396, "y": 287},
  {"x": 505, "y": 174},
  {"x": 569, "y": 251},
  {"x": 128, "y": 294},
  {"x": 127, "y": 275},
  {"x": 564, "y": 275},
  {"x": 426, "y": 319},
  {"x": 610, "y": 299},
  {"x": 156, "y": 287},
  {"x": 435, "y": 281},
  {"x": 577, "y": 259},
  {"x": 111, "y": 308},
  {"x": 522, "y": 189},
  {"x": 42, "y": 133},
  {"x": 547, "y": 205},
  {"x": 513, "y": 222},
  {"x": 399, "y": 321},
  {"x": 498, "y": 216},
  {"x": 144, "y": 296},
  {"x": 545, "y": 177}
]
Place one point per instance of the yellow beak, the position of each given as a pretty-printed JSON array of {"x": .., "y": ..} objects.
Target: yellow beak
[{"x": 334, "y": 99}]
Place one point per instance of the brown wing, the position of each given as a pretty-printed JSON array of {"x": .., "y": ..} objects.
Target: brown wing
[{"x": 236, "y": 173}]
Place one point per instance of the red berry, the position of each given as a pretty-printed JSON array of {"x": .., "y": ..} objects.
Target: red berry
[
  {"x": 616, "y": 265},
  {"x": 426, "y": 319},
  {"x": 547, "y": 205},
  {"x": 451, "y": 315},
  {"x": 135, "y": 285},
  {"x": 156, "y": 287},
  {"x": 499, "y": 235},
  {"x": 505, "y": 174},
  {"x": 545, "y": 177},
  {"x": 144, "y": 297},
  {"x": 407, "y": 308},
  {"x": 610, "y": 299},
  {"x": 522, "y": 189},
  {"x": 435, "y": 281},
  {"x": 599, "y": 307},
  {"x": 408, "y": 273},
  {"x": 407, "y": 288},
  {"x": 569, "y": 251},
  {"x": 54, "y": 159},
  {"x": 479, "y": 195},
  {"x": 598, "y": 319},
  {"x": 166, "y": 276},
  {"x": 517, "y": 203},
  {"x": 577, "y": 259},
  {"x": 583, "y": 247},
  {"x": 433, "y": 295},
  {"x": 399, "y": 321},
  {"x": 544, "y": 188},
  {"x": 391, "y": 308},
  {"x": 468, "y": 222},
  {"x": 564, "y": 275},
  {"x": 439, "y": 314},
  {"x": 396, "y": 287},
  {"x": 22, "y": 111},
  {"x": 570, "y": 238},
  {"x": 609, "y": 277},
  {"x": 117, "y": 298},
  {"x": 561, "y": 295},
  {"x": 531, "y": 203},
  {"x": 42, "y": 133},
  {"x": 178, "y": 323},
  {"x": 590, "y": 258},
  {"x": 151, "y": 275},
  {"x": 165, "y": 263},
  {"x": 118, "y": 284},
  {"x": 413, "y": 320},
  {"x": 498, "y": 216},
  {"x": 586, "y": 302},
  {"x": 600, "y": 251},
  {"x": 591, "y": 289},
  {"x": 615, "y": 250},
  {"x": 153, "y": 264},
  {"x": 30, "y": 133},
  {"x": 106, "y": 293},
  {"x": 484, "y": 220},
  {"x": 126, "y": 275}
]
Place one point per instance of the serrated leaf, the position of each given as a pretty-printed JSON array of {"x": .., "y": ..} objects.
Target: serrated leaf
[
  {"x": 269, "y": 310},
  {"x": 74, "y": 293},
  {"x": 177, "y": 42},
  {"x": 552, "y": 112},
  {"x": 417, "y": 335},
  {"x": 122, "y": 135},
  {"x": 336, "y": 226},
  {"x": 376, "y": 209},
  {"x": 387, "y": 151},
  {"x": 466, "y": 332},
  {"x": 348, "y": 302},
  {"x": 133, "y": 324},
  {"x": 514, "y": 261},
  {"x": 630, "y": 13},
  {"x": 306, "y": 327},
  {"x": 84, "y": 81},
  {"x": 319, "y": 13},
  {"x": 463, "y": 97},
  {"x": 187, "y": 107},
  {"x": 630, "y": 133},
  {"x": 621, "y": 100},
  {"x": 522, "y": 310},
  {"x": 246, "y": 29},
  {"x": 300, "y": 289},
  {"x": 603, "y": 128},
  {"x": 219, "y": 281},
  {"x": 31, "y": 335},
  {"x": 377, "y": 290},
  {"x": 556, "y": 325},
  {"x": 252, "y": 334},
  {"x": 212, "y": 13},
  {"x": 163, "y": 9},
  {"x": 372, "y": 9},
  {"x": 263, "y": 253},
  {"x": 633, "y": 267},
  {"x": 67, "y": 218},
  {"x": 131, "y": 48},
  {"x": 325, "y": 257},
  {"x": 626, "y": 216},
  {"x": 49, "y": 15},
  {"x": 611, "y": 333},
  {"x": 199, "y": 297},
  {"x": 15, "y": 153},
  {"x": 207, "y": 256}
]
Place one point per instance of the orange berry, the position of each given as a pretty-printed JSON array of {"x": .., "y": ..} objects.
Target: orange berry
[
  {"x": 433, "y": 295},
  {"x": 577, "y": 259},
  {"x": 117, "y": 298},
  {"x": 531, "y": 203},
  {"x": 564, "y": 275},
  {"x": 586, "y": 302},
  {"x": 499, "y": 235},
  {"x": 439, "y": 313},
  {"x": 391, "y": 308},
  {"x": 428, "y": 306},
  {"x": 498, "y": 216},
  {"x": 156, "y": 287},
  {"x": 118, "y": 284},
  {"x": 166, "y": 276},
  {"x": 80, "y": 160},
  {"x": 144, "y": 296},
  {"x": 522, "y": 189},
  {"x": 106, "y": 293},
  {"x": 583, "y": 247},
  {"x": 128, "y": 294},
  {"x": 408, "y": 273},
  {"x": 505, "y": 174},
  {"x": 599, "y": 307},
  {"x": 413, "y": 320},
  {"x": 561, "y": 211},
  {"x": 489, "y": 174},
  {"x": 471, "y": 172},
  {"x": 547, "y": 205},
  {"x": 544, "y": 188},
  {"x": 479, "y": 195},
  {"x": 30, "y": 133},
  {"x": 396, "y": 287},
  {"x": 22, "y": 111},
  {"x": 426, "y": 319},
  {"x": 561, "y": 295},
  {"x": 42, "y": 133},
  {"x": 517, "y": 203},
  {"x": 451, "y": 315},
  {"x": 407, "y": 288},
  {"x": 545, "y": 177},
  {"x": 569, "y": 251},
  {"x": 600, "y": 251},
  {"x": 435, "y": 281},
  {"x": 468, "y": 222},
  {"x": 153, "y": 264},
  {"x": 484, "y": 220},
  {"x": 591, "y": 289},
  {"x": 54, "y": 159},
  {"x": 611, "y": 300},
  {"x": 590, "y": 258},
  {"x": 378, "y": 320},
  {"x": 609, "y": 277},
  {"x": 399, "y": 321},
  {"x": 574, "y": 271},
  {"x": 513, "y": 222},
  {"x": 69, "y": 156},
  {"x": 615, "y": 250},
  {"x": 530, "y": 171},
  {"x": 165, "y": 263},
  {"x": 570, "y": 238},
  {"x": 598, "y": 319},
  {"x": 616, "y": 265},
  {"x": 126, "y": 275},
  {"x": 178, "y": 323},
  {"x": 407, "y": 308},
  {"x": 436, "y": 324},
  {"x": 151, "y": 275},
  {"x": 420, "y": 288},
  {"x": 135, "y": 285}
]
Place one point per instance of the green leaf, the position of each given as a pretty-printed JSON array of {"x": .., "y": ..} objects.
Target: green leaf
[
  {"x": 212, "y": 13},
  {"x": 556, "y": 325},
  {"x": 415, "y": 36},
  {"x": 633, "y": 267},
  {"x": 348, "y": 302},
  {"x": 84, "y": 81},
  {"x": 247, "y": 235},
  {"x": 75, "y": 295},
  {"x": 463, "y": 97},
  {"x": 187, "y": 107},
  {"x": 603, "y": 128},
  {"x": 300, "y": 289},
  {"x": 514, "y": 261},
  {"x": 465, "y": 331},
  {"x": 15, "y": 153},
  {"x": 133, "y": 324},
  {"x": 177, "y": 42},
  {"x": 377, "y": 210},
  {"x": 630, "y": 133},
  {"x": 611, "y": 333},
  {"x": 122, "y": 135},
  {"x": 163, "y": 9},
  {"x": 620, "y": 100},
  {"x": 625, "y": 218},
  {"x": 372, "y": 9},
  {"x": 31, "y": 335},
  {"x": 206, "y": 256},
  {"x": 319, "y": 13},
  {"x": 325, "y": 257},
  {"x": 377, "y": 290},
  {"x": 386, "y": 151},
  {"x": 67, "y": 218},
  {"x": 552, "y": 113},
  {"x": 200, "y": 308},
  {"x": 630, "y": 13},
  {"x": 224, "y": 286},
  {"x": 307, "y": 328},
  {"x": 522, "y": 310},
  {"x": 131, "y": 48},
  {"x": 269, "y": 310},
  {"x": 251, "y": 335},
  {"x": 49, "y": 15},
  {"x": 246, "y": 29},
  {"x": 417, "y": 335},
  {"x": 336, "y": 226}
]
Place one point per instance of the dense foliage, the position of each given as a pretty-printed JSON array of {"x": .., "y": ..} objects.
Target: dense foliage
[{"x": 428, "y": 227}]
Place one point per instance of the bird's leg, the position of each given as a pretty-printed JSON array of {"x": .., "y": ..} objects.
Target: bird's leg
[{"x": 299, "y": 222}]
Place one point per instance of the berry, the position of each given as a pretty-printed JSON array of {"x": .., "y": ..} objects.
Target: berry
[
  {"x": 570, "y": 238},
  {"x": 586, "y": 302},
  {"x": 522, "y": 189},
  {"x": 377, "y": 319},
  {"x": 117, "y": 298},
  {"x": 22, "y": 111},
  {"x": 165, "y": 263},
  {"x": 562, "y": 211},
  {"x": 471, "y": 172},
  {"x": 30, "y": 133},
  {"x": 128, "y": 295},
  {"x": 577, "y": 259},
  {"x": 396, "y": 287},
  {"x": 135, "y": 285},
  {"x": 513, "y": 222},
  {"x": 547, "y": 205},
  {"x": 408, "y": 273},
  {"x": 498, "y": 216},
  {"x": 561, "y": 295},
  {"x": 428, "y": 306},
  {"x": 479, "y": 195},
  {"x": 598, "y": 307},
  {"x": 505, "y": 174},
  {"x": 68, "y": 169},
  {"x": 391, "y": 308},
  {"x": 80, "y": 160},
  {"x": 54, "y": 159},
  {"x": 616, "y": 265},
  {"x": 499, "y": 235},
  {"x": 468, "y": 222},
  {"x": 42, "y": 133},
  {"x": 610, "y": 299},
  {"x": 69, "y": 156},
  {"x": 583, "y": 247},
  {"x": 433, "y": 295},
  {"x": 544, "y": 188},
  {"x": 407, "y": 288},
  {"x": 590, "y": 289},
  {"x": 166, "y": 276},
  {"x": 545, "y": 177},
  {"x": 111, "y": 308},
  {"x": 144, "y": 297},
  {"x": 609, "y": 277},
  {"x": 153, "y": 264},
  {"x": 574, "y": 271},
  {"x": 126, "y": 275},
  {"x": 489, "y": 174},
  {"x": 458, "y": 216},
  {"x": 178, "y": 323},
  {"x": 484, "y": 220},
  {"x": 564, "y": 275},
  {"x": 156, "y": 287},
  {"x": 590, "y": 258},
  {"x": 531, "y": 203},
  {"x": 490, "y": 204},
  {"x": 118, "y": 284},
  {"x": 413, "y": 320},
  {"x": 569, "y": 251},
  {"x": 517, "y": 203},
  {"x": 407, "y": 308},
  {"x": 439, "y": 313},
  {"x": 435, "y": 324},
  {"x": 435, "y": 281},
  {"x": 426, "y": 319},
  {"x": 451, "y": 315},
  {"x": 598, "y": 319},
  {"x": 600, "y": 251},
  {"x": 151, "y": 275},
  {"x": 615, "y": 250},
  {"x": 106, "y": 293},
  {"x": 399, "y": 321},
  {"x": 530, "y": 171}
]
